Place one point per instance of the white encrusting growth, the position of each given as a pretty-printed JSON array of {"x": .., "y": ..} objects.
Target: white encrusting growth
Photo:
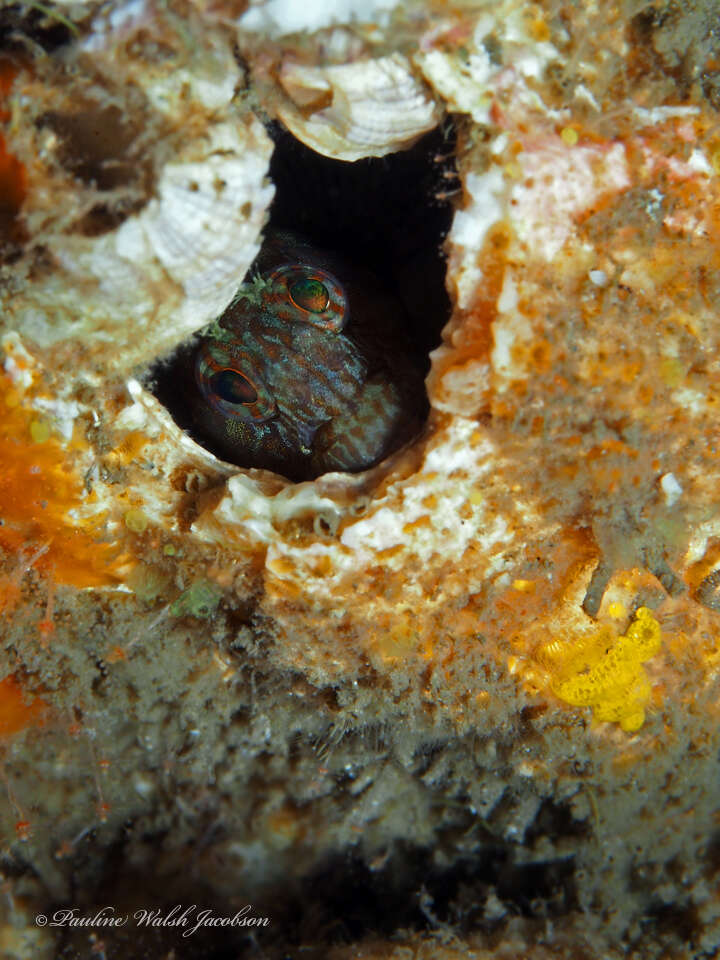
[
  {"x": 558, "y": 183},
  {"x": 487, "y": 194},
  {"x": 670, "y": 488},
  {"x": 18, "y": 363},
  {"x": 443, "y": 508},
  {"x": 469, "y": 80},
  {"x": 391, "y": 525},
  {"x": 248, "y": 507},
  {"x": 279, "y": 17}
]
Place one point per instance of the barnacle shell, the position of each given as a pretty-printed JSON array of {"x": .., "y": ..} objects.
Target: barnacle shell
[
  {"x": 203, "y": 226},
  {"x": 171, "y": 267},
  {"x": 363, "y": 109},
  {"x": 164, "y": 271}
]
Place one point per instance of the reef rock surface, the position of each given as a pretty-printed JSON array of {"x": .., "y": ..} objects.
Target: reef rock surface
[{"x": 464, "y": 703}]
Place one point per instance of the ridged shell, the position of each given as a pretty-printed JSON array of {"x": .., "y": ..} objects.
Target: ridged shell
[
  {"x": 169, "y": 269},
  {"x": 364, "y": 109},
  {"x": 204, "y": 225}
]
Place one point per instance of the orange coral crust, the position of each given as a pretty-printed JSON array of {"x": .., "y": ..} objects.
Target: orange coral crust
[
  {"x": 17, "y": 711},
  {"x": 38, "y": 490}
]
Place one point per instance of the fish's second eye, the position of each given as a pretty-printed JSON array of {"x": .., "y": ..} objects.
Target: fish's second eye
[
  {"x": 233, "y": 387},
  {"x": 310, "y": 294}
]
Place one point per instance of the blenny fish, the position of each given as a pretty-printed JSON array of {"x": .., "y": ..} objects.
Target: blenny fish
[{"x": 310, "y": 369}]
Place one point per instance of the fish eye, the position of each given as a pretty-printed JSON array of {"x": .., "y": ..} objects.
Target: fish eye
[
  {"x": 310, "y": 294},
  {"x": 233, "y": 387}
]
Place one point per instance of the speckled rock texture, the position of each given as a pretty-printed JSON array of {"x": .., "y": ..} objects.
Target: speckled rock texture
[{"x": 464, "y": 704}]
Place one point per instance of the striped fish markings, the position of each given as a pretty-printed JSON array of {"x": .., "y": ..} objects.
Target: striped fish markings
[{"x": 309, "y": 369}]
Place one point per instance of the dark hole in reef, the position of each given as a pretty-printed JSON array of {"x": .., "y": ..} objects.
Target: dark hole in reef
[
  {"x": 106, "y": 148},
  {"x": 102, "y": 146},
  {"x": 678, "y": 923},
  {"x": 555, "y": 820},
  {"x": 389, "y": 214},
  {"x": 382, "y": 223},
  {"x": 23, "y": 26}
]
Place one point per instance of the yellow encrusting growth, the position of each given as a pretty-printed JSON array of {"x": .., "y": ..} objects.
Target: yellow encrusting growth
[
  {"x": 136, "y": 521},
  {"x": 605, "y": 671},
  {"x": 617, "y": 610}
]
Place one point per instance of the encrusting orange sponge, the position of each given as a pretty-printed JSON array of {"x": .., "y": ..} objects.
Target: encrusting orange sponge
[
  {"x": 39, "y": 489},
  {"x": 17, "y": 710}
]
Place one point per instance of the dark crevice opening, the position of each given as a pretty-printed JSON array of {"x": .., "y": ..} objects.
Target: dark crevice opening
[
  {"x": 385, "y": 216},
  {"x": 100, "y": 145},
  {"x": 105, "y": 148},
  {"x": 388, "y": 214},
  {"x": 23, "y": 26}
]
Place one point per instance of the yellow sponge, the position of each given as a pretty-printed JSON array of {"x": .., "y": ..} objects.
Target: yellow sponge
[{"x": 605, "y": 672}]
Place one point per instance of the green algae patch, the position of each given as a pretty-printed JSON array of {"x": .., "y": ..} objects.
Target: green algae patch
[{"x": 201, "y": 599}]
